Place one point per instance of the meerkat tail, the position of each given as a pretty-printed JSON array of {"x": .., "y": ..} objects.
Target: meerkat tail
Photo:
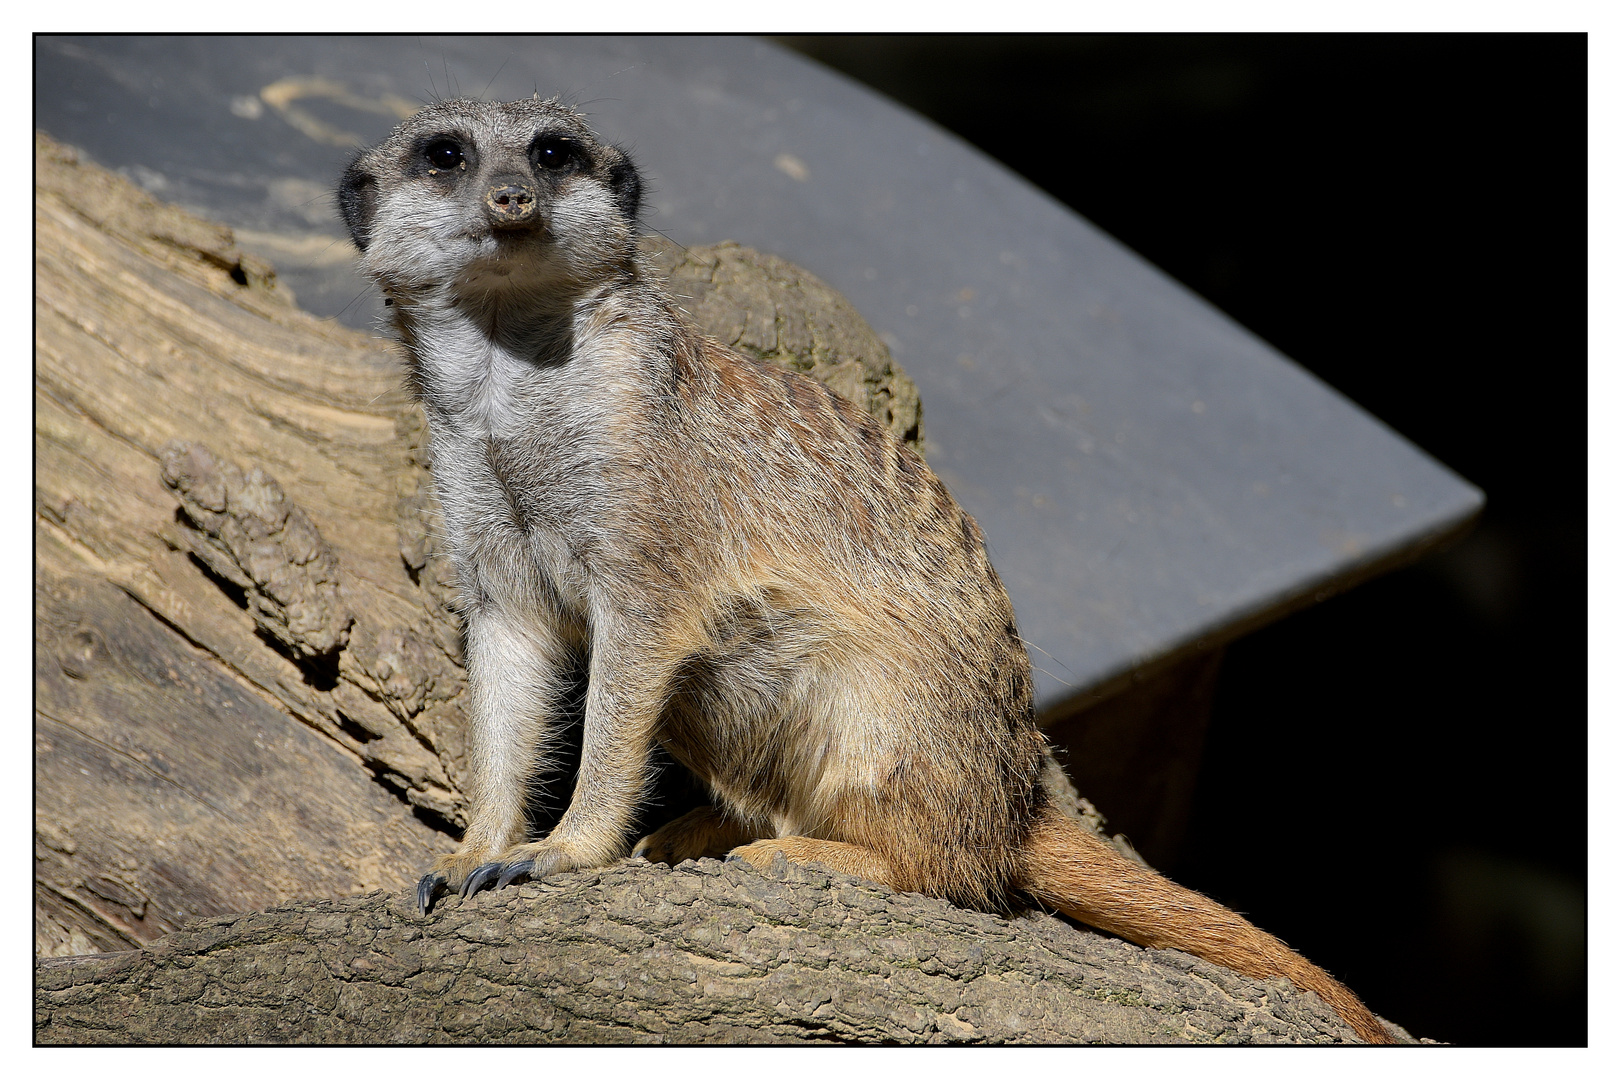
[{"x": 1067, "y": 868}]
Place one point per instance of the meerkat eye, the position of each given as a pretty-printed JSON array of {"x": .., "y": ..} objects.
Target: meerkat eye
[
  {"x": 554, "y": 152},
  {"x": 442, "y": 154}
]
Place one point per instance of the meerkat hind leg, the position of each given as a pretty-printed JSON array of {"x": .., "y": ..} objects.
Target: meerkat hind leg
[
  {"x": 834, "y": 854},
  {"x": 707, "y": 832}
]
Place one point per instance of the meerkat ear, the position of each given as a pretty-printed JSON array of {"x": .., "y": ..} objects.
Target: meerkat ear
[
  {"x": 357, "y": 203},
  {"x": 626, "y": 183}
]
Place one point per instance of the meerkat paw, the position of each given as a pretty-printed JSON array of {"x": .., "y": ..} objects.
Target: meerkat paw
[
  {"x": 760, "y": 854},
  {"x": 448, "y": 874},
  {"x": 703, "y": 833},
  {"x": 845, "y": 858},
  {"x": 433, "y": 885},
  {"x": 526, "y": 862}
]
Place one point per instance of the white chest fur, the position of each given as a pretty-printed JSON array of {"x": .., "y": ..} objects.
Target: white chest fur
[
  {"x": 476, "y": 387},
  {"x": 521, "y": 441}
]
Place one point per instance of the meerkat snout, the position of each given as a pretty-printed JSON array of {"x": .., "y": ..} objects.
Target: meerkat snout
[{"x": 510, "y": 203}]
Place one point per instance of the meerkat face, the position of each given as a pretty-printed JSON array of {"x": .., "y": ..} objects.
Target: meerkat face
[{"x": 501, "y": 203}]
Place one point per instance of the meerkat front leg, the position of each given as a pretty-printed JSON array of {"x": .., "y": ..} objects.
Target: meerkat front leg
[
  {"x": 516, "y": 670},
  {"x": 628, "y": 681}
]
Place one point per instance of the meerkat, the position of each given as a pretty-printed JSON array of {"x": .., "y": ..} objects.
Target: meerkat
[{"x": 756, "y": 574}]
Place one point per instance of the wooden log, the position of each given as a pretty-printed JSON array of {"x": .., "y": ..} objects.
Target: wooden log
[{"x": 705, "y": 952}]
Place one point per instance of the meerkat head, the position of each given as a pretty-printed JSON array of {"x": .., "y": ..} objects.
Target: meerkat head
[{"x": 501, "y": 203}]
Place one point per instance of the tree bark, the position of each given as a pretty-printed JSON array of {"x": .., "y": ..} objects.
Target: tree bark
[{"x": 706, "y": 952}]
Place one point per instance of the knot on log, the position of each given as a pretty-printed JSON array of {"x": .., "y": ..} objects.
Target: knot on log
[{"x": 251, "y": 534}]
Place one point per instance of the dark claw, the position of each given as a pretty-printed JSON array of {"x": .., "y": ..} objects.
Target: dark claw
[
  {"x": 428, "y": 890},
  {"x": 480, "y": 877},
  {"x": 524, "y": 870}
]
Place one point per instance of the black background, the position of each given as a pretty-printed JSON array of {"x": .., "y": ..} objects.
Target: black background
[{"x": 1405, "y": 216}]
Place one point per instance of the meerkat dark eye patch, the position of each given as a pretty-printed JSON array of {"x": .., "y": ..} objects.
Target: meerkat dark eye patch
[
  {"x": 443, "y": 154},
  {"x": 553, "y": 152}
]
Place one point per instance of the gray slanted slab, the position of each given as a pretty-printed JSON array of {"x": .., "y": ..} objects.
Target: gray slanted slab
[{"x": 1152, "y": 478}]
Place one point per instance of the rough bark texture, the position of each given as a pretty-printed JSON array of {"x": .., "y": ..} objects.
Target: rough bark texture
[
  {"x": 705, "y": 952},
  {"x": 247, "y": 694}
]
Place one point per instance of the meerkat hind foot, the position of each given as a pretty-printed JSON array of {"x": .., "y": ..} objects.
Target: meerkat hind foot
[
  {"x": 702, "y": 833},
  {"x": 845, "y": 858}
]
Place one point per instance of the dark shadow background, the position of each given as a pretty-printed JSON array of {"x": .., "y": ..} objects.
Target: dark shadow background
[{"x": 1405, "y": 216}]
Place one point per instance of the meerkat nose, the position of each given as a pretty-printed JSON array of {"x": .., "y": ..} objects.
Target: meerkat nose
[{"x": 511, "y": 204}]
